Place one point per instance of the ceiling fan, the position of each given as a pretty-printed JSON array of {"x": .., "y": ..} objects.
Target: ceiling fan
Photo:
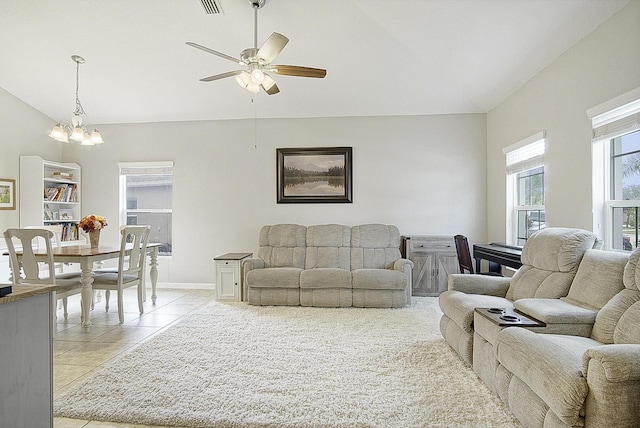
[{"x": 257, "y": 62}]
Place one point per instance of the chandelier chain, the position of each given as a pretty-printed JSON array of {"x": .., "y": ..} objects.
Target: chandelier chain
[
  {"x": 79, "y": 109},
  {"x": 76, "y": 130}
]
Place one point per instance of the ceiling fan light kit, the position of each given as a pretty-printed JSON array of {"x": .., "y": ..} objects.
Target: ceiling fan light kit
[
  {"x": 257, "y": 62},
  {"x": 75, "y": 130}
]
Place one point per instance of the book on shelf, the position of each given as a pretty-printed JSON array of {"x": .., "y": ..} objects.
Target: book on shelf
[
  {"x": 63, "y": 175},
  {"x": 48, "y": 214},
  {"x": 69, "y": 232},
  {"x": 61, "y": 193}
]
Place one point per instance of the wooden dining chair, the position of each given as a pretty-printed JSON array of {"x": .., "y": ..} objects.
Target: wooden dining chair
[
  {"x": 464, "y": 257},
  {"x": 56, "y": 242},
  {"x": 29, "y": 270},
  {"x": 130, "y": 270}
]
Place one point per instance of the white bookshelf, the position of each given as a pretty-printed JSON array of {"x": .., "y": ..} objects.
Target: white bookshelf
[{"x": 50, "y": 194}]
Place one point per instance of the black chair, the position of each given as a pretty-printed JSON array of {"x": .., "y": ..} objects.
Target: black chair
[{"x": 464, "y": 257}]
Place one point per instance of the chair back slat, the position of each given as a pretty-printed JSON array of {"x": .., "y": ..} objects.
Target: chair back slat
[
  {"x": 29, "y": 270},
  {"x": 134, "y": 263},
  {"x": 56, "y": 242}
]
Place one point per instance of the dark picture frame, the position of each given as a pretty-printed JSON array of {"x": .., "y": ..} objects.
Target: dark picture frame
[
  {"x": 7, "y": 194},
  {"x": 314, "y": 175}
]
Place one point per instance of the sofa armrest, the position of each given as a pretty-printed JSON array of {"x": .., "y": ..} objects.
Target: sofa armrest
[
  {"x": 406, "y": 266},
  {"x": 247, "y": 266},
  {"x": 479, "y": 284},
  {"x": 403, "y": 265},
  {"x": 252, "y": 263},
  {"x": 613, "y": 377},
  {"x": 619, "y": 363}
]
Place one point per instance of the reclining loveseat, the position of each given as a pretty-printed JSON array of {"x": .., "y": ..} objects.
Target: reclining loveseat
[{"x": 550, "y": 261}]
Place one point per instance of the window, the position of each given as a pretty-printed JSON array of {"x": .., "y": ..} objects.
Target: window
[
  {"x": 616, "y": 170},
  {"x": 146, "y": 198},
  {"x": 525, "y": 188},
  {"x": 624, "y": 191}
]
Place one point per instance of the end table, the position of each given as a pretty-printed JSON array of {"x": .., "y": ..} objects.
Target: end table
[{"x": 229, "y": 276}]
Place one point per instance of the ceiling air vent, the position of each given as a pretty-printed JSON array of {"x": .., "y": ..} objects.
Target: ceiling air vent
[{"x": 212, "y": 7}]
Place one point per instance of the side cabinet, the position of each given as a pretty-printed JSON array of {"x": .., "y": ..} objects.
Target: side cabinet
[
  {"x": 229, "y": 276},
  {"x": 434, "y": 258}
]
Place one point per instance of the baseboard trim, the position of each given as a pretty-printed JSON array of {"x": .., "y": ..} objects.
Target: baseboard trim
[{"x": 185, "y": 285}]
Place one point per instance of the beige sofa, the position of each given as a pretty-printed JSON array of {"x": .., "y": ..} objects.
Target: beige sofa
[
  {"x": 558, "y": 380},
  {"x": 328, "y": 265},
  {"x": 583, "y": 367}
]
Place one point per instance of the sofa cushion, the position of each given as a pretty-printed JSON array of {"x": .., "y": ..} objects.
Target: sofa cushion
[
  {"x": 327, "y": 257},
  {"x": 632, "y": 271},
  {"x": 628, "y": 328},
  {"x": 529, "y": 282},
  {"x": 374, "y": 246},
  {"x": 610, "y": 314},
  {"x": 556, "y": 311},
  {"x": 599, "y": 278},
  {"x": 329, "y": 235},
  {"x": 557, "y": 249},
  {"x": 325, "y": 278},
  {"x": 328, "y": 246},
  {"x": 619, "y": 320},
  {"x": 551, "y": 365},
  {"x": 379, "y": 279},
  {"x": 274, "y": 278},
  {"x": 550, "y": 260},
  {"x": 282, "y": 245}
]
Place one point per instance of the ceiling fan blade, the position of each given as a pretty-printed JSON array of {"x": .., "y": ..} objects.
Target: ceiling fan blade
[
  {"x": 211, "y": 51},
  {"x": 269, "y": 85},
  {"x": 221, "y": 76},
  {"x": 294, "y": 70},
  {"x": 272, "y": 47}
]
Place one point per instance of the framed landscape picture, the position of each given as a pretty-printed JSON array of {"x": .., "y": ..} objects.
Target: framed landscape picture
[
  {"x": 7, "y": 194},
  {"x": 314, "y": 175}
]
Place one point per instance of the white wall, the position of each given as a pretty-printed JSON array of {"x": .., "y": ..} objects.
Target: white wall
[
  {"x": 426, "y": 174},
  {"x": 24, "y": 132},
  {"x": 602, "y": 66}
]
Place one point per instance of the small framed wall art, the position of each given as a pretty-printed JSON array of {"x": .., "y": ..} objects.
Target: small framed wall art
[
  {"x": 7, "y": 194},
  {"x": 65, "y": 214},
  {"x": 314, "y": 175}
]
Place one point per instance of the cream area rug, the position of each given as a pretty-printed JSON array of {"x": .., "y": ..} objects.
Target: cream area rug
[{"x": 235, "y": 365}]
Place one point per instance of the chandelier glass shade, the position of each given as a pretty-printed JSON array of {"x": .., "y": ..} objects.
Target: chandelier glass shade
[{"x": 75, "y": 129}]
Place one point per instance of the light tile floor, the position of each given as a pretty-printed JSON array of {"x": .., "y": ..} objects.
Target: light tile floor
[{"x": 76, "y": 355}]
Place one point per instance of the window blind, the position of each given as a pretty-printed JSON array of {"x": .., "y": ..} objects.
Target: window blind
[
  {"x": 526, "y": 154},
  {"x": 146, "y": 168},
  {"x": 616, "y": 117}
]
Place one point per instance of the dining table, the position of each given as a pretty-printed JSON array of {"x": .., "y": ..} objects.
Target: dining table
[{"x": 86, "y": 256}]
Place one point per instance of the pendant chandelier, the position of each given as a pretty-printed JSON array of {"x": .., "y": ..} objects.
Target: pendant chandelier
[{"x": 76, "y": 130}]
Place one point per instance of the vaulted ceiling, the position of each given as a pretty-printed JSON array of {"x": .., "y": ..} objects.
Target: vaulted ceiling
[{"x": 383, "y": 57}]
